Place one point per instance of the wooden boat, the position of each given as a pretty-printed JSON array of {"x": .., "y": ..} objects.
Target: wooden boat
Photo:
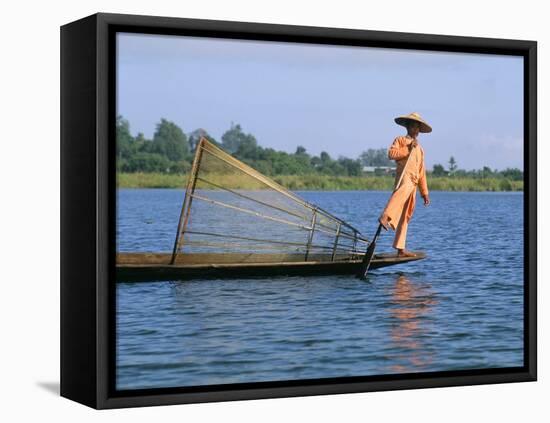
[
  {"x": 236, "y": 222},
  {"x": 135, "y": 267}
]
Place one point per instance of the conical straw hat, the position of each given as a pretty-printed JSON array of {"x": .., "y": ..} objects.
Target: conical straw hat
[{"x": 402, "y": 120}]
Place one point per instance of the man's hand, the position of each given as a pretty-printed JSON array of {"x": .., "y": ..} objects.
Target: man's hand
[
  {"x": 413, "y": 143},
  {"x": 426, "y": 200}
]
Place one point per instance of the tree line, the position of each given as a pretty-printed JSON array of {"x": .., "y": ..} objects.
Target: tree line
[{"x": 171, "y": 150}]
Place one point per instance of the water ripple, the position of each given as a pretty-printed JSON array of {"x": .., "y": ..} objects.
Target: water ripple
[{"x": 462, "y": 308}]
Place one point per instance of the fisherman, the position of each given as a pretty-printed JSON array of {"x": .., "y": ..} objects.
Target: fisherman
[{"x": 400, "y": 207}]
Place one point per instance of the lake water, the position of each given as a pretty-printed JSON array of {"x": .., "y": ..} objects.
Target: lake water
[{"x": 461, "y": 308}]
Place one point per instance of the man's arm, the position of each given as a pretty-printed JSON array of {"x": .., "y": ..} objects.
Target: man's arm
[{"x": 399, "y": 149}]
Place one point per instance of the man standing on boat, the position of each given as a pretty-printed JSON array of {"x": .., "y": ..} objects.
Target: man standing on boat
[{"x": 410, "y": 174}]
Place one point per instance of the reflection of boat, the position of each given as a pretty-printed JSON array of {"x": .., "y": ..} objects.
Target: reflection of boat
[{"x": 237, "y": 222}]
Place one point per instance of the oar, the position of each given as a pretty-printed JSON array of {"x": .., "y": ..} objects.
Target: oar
[
  {"x": 365, "y": 264},
  {"x": 368, "y": 255}
]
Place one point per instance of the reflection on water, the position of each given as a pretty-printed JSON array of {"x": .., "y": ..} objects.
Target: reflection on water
[{"x": 412, "y": 304}]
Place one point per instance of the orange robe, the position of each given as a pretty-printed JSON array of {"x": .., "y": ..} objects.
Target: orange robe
[{"x": 400, "y": 207}]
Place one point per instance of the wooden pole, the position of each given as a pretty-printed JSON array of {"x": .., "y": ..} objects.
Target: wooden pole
[
  {"x": 186, "y": 207},
  {"x": 336, "y": 243},
  {"x": 311, "y": 232}
]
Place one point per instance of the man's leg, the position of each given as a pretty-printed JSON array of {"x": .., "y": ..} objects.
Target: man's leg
[
  {"x": 403, "y": 225},
  {"x": 401, "y": 234}
]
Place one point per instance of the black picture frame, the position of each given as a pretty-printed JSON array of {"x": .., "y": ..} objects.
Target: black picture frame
[{"x": 88, "y": 208}]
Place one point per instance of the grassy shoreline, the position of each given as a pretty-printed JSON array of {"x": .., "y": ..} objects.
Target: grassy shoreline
[{"x": 326, "y": 182}]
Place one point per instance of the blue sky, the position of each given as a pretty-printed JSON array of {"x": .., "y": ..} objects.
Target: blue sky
[{"x": 326, "y": 98}]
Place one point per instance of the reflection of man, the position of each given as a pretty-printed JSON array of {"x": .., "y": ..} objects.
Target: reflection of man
[
  {"x": 410, "y": 302},
  {"x": 400, "y": 207}
]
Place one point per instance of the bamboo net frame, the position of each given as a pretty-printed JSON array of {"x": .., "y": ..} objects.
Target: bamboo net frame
[{"x": 228, "y": 203}]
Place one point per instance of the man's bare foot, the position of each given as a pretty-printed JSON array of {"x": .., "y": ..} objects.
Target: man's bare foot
[
  {"x": 405, "y": 253},
  {"x": 384, "y": 223}
]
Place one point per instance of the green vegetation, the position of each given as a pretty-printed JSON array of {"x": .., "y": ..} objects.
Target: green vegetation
[
  {"x": 323, "y": 182},
  {"x": 165, "y": 160}
]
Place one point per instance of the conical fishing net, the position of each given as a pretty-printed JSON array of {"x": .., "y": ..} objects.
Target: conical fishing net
[{"x": 238, "y": 214}]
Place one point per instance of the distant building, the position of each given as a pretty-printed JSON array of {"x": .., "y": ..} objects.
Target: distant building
[{"x": 379, "y": 170}]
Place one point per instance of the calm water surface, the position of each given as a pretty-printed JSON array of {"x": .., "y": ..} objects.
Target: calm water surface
[{"x": 462, "y": 308}]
